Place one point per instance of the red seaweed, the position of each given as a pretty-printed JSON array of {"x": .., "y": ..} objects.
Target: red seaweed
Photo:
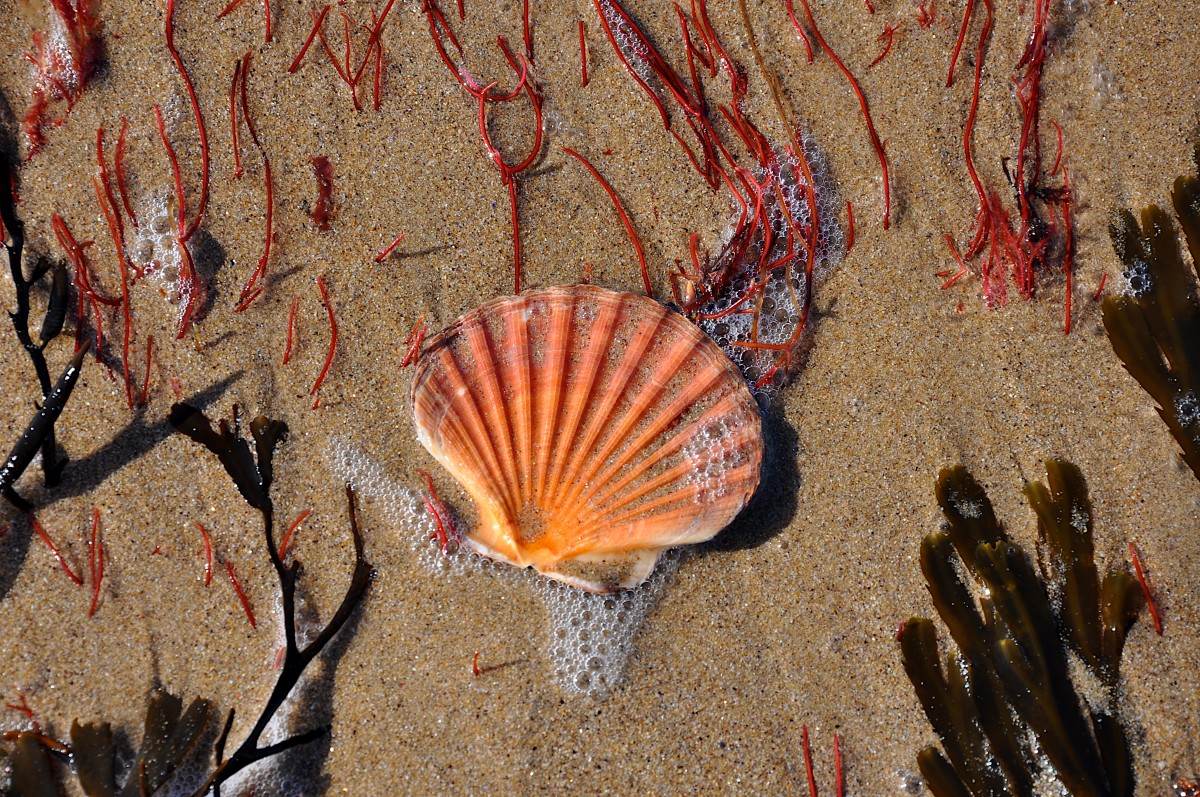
[
  {"x": 637, "y": 244},
  {"x": 1143, "y": 581},
  {"x": 241, "y": 594},
  {"x": 58, "y": 557},
  {"x": 322, "y": 211},
  {"x": 333, "y": 340},
  {"x": 287, "y": 537}
]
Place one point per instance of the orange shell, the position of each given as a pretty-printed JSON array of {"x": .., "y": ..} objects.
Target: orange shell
[{"x": 594, "y": 430}]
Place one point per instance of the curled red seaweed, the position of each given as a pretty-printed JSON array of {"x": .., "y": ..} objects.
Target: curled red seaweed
[
  {"x": 96, "y": 561},
  {"x": 633, "y": 237},
  {"x": 333, "y": 341}
]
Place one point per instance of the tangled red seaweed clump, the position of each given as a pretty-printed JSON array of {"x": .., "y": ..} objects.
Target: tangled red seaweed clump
[
  {"x": 1041, "y": 240},
  {"x": 754, "y": 295},
  {"x": 64, "y": 60}
]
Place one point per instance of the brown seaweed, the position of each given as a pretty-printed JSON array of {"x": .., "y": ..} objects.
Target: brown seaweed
[
  {"x": 1154, "y": 323},
  {"x": 1011, "y": 672},
  {"x": 252, "y": 474},
  {"x": 171, "y": 733},
  {"x": 39, "y": 435}
]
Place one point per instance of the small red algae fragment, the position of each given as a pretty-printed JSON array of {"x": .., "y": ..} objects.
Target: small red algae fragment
[
  {"x": 208, "y": 553},
  {"x": 23, "y": 708},
  {"x": 241, "y": 594},
  {"x": 54, "y": 550},
  {"x": 1100, "y": 288},
  {"x": 926, "y": 16},
  {"x": 413, "y": 341},
  {"x": 849, "y": 226},
  {"x": 445, "y": 532},
  {"x": 1151, "y": 604},
  {"x": 888, "y": 35},
  {"x": 287, "y": 537},
  {"x": 387, "y": 250},
  {"x": 323, "y": 210},
  {"x": 333, "y": 340},
  {"x": 583, "y": 53},
  {"x": 475, "y": 665}
]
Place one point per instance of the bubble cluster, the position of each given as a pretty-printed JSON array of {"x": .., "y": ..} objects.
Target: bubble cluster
[
  {"x": 713, "y": 452},
  {"x": 1137, "y": 279},
  {"x": 781, "y": 308},
  {"x": 591, "y": 636},
  {"x": 1187, "y": 409},
  {"x": 155, "y": 250},
  {"x": 628, "y": 42}
]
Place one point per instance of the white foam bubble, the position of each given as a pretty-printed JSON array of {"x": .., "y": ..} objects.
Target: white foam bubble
[{"x": 590, "y": 636}]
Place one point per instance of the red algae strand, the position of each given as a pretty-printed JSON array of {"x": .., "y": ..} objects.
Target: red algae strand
[{"x": 323, "y": 209}]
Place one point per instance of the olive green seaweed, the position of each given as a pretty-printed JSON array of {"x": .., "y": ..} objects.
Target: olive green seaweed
[
  {"x": 1154, "y": 325},
  {"x": 1011, "y": 672}
]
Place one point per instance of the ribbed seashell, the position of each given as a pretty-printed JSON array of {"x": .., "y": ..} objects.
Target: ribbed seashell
[{"x": 593, "y": 429}]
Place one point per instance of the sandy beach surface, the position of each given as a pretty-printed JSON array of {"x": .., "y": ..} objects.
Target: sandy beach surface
[{"x": 788, "y": 618}]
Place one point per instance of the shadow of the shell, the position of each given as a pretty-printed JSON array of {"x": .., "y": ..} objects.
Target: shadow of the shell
[{"x": 774, "y": 504}]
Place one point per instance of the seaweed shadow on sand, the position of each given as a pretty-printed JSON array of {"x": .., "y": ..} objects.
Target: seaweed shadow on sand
[
  {"x": 171, "y": 733},
  {"x": 1009, "y": 683},
  {"x": 84, "y": 475},
  {"x": 1154, "y": 323}
]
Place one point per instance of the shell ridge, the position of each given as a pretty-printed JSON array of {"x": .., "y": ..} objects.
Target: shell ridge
[
  {"x": 610, "y": 394},
  {"x": 519, "y": 406},
  {"x": 483, "y": 446},
  {"x": 562, "y": 329},
  {"x": 640, "y": 406},
  {"x": 493, "y": 402},
  {"x": 599, "y": 342},
  {"x": 729, "y": 505},
  {"x": 669, "y": 416}
]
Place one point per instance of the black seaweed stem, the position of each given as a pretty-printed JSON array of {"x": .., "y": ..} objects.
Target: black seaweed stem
[
  {"x": 43, "y": 424},
  {"x": 253, "y": 480}
]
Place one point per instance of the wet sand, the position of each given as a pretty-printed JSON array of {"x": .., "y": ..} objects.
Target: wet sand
[{"x": 786, "y": 619}]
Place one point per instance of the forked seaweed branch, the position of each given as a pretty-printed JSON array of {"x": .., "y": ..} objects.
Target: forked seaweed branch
[
  {"x": 252, "y": 474},
  {"x": 1154, "y": 322},
  {"x": 171, "y": 733},
  {"x": 39, "y": 434},
  {"x": 1011, "y": 672}
]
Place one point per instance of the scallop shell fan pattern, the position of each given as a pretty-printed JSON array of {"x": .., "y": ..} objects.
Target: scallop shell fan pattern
[{"x": 593, "y": 429}]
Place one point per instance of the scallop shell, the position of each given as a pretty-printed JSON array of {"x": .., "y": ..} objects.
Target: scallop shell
[{"x": 593, "y": 429}]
